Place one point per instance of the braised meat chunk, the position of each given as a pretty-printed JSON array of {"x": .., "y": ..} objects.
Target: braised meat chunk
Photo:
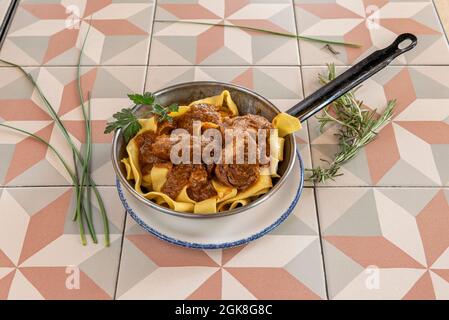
[
  {"x": 147, "y": 158},
  {"x": 248, "y": 122},
  {"x": 200, "y": 187},
  {"x": 177, "y": 178},
  {"x": 198, "y": 112},
  {"x": 195, "y": 177},
  {"x": 240, "y": 176}
]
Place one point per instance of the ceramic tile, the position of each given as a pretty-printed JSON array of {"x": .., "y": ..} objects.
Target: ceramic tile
[
  {"x": 52, "y": 32},
  {"x": 28, "y": 162},
  {"x": 41, "y": 256},
  {"x": 3, "y": 8},
  {"x": 385, "y": 243},
  {"x": 442, "y": 7},
  {"x": 413, "y": 150},
  {"x": 152, "y": 269},
  {"x": 281, "y": 85},
  {"x": 188, "y": 44},
  {"x": 372, "y": 24}
]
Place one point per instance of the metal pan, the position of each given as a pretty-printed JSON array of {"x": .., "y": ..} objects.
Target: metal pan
[{"x": 250, "y": 102}]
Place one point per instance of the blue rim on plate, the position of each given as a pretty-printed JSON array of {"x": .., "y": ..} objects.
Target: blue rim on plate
[{"x": 215, "y": 245}]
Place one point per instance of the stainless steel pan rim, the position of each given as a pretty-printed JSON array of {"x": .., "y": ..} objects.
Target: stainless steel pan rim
[{"x": 118, "y": 167}]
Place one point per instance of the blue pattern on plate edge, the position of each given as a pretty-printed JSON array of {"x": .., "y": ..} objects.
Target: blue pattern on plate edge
[{"x": 218, "y": 245}]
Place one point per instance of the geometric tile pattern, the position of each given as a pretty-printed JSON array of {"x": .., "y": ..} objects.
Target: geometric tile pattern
[
  {"x": 108, "y": 87},
  {"x": 413, "y": 150},
  {"x": 36, "y": 237},
  {"x": 52, "y": 32},
  {"x": 373, "y": 24},
  {"x": 383, "y": 223},
  {"x": 188, "y": 44},
  {"x": 153, "y": 269},
  {"x": 388, "y": 243}
]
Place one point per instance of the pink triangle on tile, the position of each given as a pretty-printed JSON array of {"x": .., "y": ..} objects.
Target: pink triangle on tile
[
  {"x": 272, "y": 283},
  {"x": 360, "y": 35},
  {"x": 60, "y": 42},
  {"x": 23, "y": 159},
  {"x": 208, "y": 42},
  {"x": 422, "y": 290},
  {"x": 28, "y": 110},
  {"x": 76, "y": 127},
  {"x": 373, "y": 250},
  {"x": 210, "y": 289},
  {"x": 51, "y": 283},
  {"x": 245, "y": 79},
  {"x": 329, "y": 11},
  {"x": 400, "y": 87},
  {"x": 433, "y": 225},
  {"x": 167, "y": 255},
  {"x": 382, "y": 154},
  {"x": 45, "y": 226},
  {"x": 188, "y": 11},
  {"x": 117, "y": 27},
  {"x": 232, "y": 6},
  {"x": 228, "y": 254},
  {"x": 94, "y": 6},
  {"x": 5, "y": 261},
  {"x": 443, "y": 273},
  {"x": 70, "y": 96},
  {"x": 46, "y": 11},
  {"x": 5, "y": 284},
  {"x": 432, "y": 132}
]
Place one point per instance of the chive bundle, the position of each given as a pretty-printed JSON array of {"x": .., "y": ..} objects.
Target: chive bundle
[{"x": 82, "y": 182}]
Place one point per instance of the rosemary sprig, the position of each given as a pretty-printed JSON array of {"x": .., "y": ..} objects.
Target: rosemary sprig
[
  {"x": 358, "y": 126},
  {"x": 277, "y": 33},
  {"x": 128, "y": 121}
]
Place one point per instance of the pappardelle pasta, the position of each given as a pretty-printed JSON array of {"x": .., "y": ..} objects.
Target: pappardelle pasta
[{"x": 206, "y": 187}]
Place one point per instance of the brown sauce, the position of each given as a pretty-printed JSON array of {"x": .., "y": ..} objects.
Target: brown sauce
[{"x": 154, "y": 150}]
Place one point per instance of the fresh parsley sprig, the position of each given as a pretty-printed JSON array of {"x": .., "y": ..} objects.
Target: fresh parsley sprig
[
  {"x": 128, "y": 121},
  {"x": 125, "y": 120},
  {"x": 358, "y": 126}
]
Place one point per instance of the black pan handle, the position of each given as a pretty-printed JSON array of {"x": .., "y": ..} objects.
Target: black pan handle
[{"x": 352, "y": 77}]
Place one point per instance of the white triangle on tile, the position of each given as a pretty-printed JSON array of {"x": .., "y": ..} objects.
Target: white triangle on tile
[
  {"x": 255, "y": 253},
  {"x": 399, "y": 227},
  {"x": 232, "y": 289},
  {"x": 14, "y": 219},
  {"x": 443, "y": 261},
  {"x": 393, "y": 284},
  {"x": 22, "y": 289},
  {"x": 170, "y": 283},
  {"x": 215, "y": 255},
  {"x": 440, "y": 286}
]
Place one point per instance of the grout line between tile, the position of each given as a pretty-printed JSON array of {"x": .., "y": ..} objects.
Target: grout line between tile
[
  {"x": 440, "y": 21},
  {"x": 297, "y": 31},
  {"x": 149, "y": 46},
  {"x": 216, "y": 65},
  {"x": 321, "y": 244},
  {"x": 120, "y": 256}
]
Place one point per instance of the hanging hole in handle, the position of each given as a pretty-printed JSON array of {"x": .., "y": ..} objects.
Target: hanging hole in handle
[
  {"x": 406, "y": 41},
  {"x": 404, "y": 44}
]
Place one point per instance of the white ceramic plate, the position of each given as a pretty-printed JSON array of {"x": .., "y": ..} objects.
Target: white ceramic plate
[{"x": 220, "y": 232}]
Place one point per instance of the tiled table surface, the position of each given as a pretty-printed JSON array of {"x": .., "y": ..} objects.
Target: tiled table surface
[{"x": 380, "y": 231}]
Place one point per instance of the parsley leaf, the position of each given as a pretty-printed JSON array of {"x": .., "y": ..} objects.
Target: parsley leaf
[
  {"x": 125, "y": 120},
  {"x": 129, "y": 123},
  {"x": 147, "y": 98}
]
